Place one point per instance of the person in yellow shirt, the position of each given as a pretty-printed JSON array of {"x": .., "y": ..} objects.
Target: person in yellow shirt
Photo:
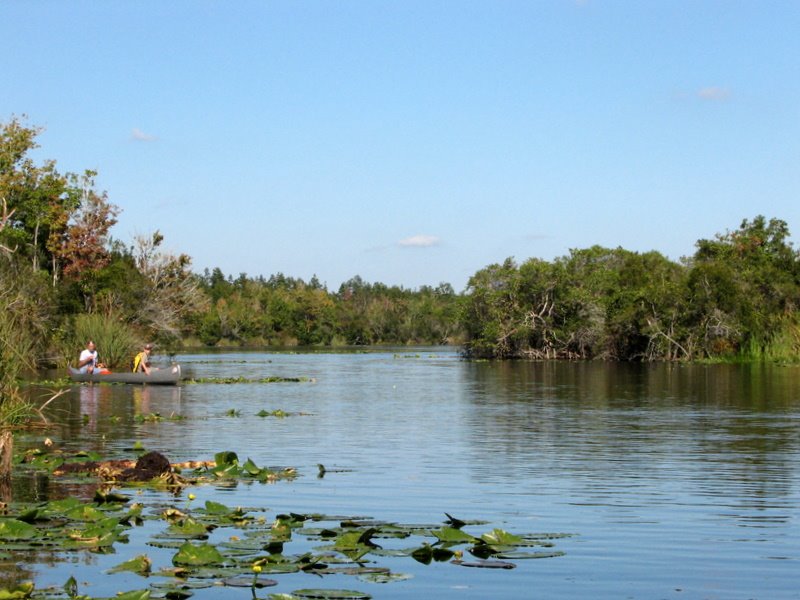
[{"x": 141, "y": 363}]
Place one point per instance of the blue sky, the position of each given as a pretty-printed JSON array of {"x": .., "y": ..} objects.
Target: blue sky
[{"x": 414, "y": 142}]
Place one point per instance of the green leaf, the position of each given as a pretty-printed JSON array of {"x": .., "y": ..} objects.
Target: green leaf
[
  {"x": 140, "y": 564},
  {"x": 200, "y": 555},
  {"x": 226, "y": 458},
  {"x": 251, "y": 468},
  {"x": 452, "y": 535},
  {"x": 12, "y": 529},
  {"x": 17, "y": 592},
  {"x": 71, "y": 587},
  {"x": 216, "y": 508},
  {"x": 110, "y": 497},
  {"x": 499, "y": 537},
  {"x": 133, "y": 595},
  {"x": 31, "y": 516},
  {"x": 488, "y": 564},
  {"x": 525, "y": 555},
  {"x": 187, "y": 527},
  {"x": 60, "y": 507},
  {"x": 86, "y": 513},
  {"x": 331, "y": 594},
  {"x": 384, "y": 577},
  {"x": 249, "y": 581}
]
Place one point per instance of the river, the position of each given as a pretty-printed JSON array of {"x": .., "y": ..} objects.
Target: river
[{"x": 673, "y": 481}]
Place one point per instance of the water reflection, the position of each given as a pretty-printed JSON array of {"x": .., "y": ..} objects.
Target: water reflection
[
  {"x": 725, "y": 433},
  {"x": 675, "y": 476}
]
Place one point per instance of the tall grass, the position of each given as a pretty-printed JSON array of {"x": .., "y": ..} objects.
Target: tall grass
[
  {"x": 16, "y": 352},
  {"x": 115, "y": 340},
  {"x": 783, "y": 347}
]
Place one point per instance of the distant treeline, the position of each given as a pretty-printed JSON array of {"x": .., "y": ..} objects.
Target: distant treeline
[
  {"x": 63, "y": 279},
  {"x": 286, "y": 311},
  {"x": 736, "y": 297}
]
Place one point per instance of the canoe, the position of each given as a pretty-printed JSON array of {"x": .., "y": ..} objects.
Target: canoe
[{"x": 168, "y": 376}]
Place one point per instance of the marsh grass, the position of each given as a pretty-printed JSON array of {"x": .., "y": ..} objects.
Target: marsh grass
[
  {"x": 116, "y": 341},
  {"x": 16, "y": 349},
  {"x": 784, "y": 347}
]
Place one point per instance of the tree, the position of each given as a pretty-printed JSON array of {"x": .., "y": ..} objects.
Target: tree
[
  {"x": 39, "y": 198},
  {"x": 81, "y": 249},
  {"x": 493, "y": 314},
  {"x": 744, "y": 287},
  {"x": 171, "y": 293}
]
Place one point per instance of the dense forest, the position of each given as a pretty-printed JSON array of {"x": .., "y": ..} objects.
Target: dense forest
[
  {"x": 735, "y": 298},
  {"x": 64, "y": 279}
]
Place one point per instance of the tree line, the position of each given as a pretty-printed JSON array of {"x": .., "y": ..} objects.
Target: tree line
[
  {"x": 63, "y": 279},
  {"x": 735, "y": 298}
]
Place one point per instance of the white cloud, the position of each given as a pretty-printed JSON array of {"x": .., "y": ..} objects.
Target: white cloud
[
  {"x": 714, "y": 93},
  {"x": 140, "y": 136},
  {"x": 419, "y": 241}
]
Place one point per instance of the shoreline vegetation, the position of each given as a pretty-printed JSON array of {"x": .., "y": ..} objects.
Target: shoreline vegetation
[{"x": 64, "y": 280}]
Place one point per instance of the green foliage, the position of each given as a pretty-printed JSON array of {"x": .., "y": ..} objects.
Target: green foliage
[
  {"x": 57, "y": 222},
  {"x": 743, "y": 285},
  {"x": 115, "y": 340},
  {"x": 735, "y": 298},
  {"x": 24, "y": 311},
  {"x": 287, "y": 311}
]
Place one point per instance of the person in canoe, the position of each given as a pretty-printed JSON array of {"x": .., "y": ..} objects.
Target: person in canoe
[
  {"x": 141, "y": 362},
  {"x": 88, "y": 362}
]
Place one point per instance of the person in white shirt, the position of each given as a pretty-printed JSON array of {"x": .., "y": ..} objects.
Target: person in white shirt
[{"x": 87, "y": 362}]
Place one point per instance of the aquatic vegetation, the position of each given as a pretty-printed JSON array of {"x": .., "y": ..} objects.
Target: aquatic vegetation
[
  {"x": 156, "y": 418},
  {"x": 195, "y": 545},
  {"x": 351, "y": 545},
  {"x": 233, "y": 380},
  {"x": 280, "y": 414}
]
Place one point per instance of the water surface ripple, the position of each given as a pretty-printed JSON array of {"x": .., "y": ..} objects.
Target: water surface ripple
[{"x": 678, "y": 481}]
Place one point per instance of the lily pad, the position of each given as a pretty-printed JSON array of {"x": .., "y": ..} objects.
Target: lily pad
[
  {"x": 354, "y": 571},
  {"x": 133, "y": 595},
  {"x": 331, "y": 594},
  {"x": 247, "y": 582},
  {"x": 12, "y": 529},
  {"x": 452, "y": 535},
  {"x": 499, "y": 537},
  {"x": 183, "y": 585},
  {"x": 527, "y": 555},
  {"x": 200, "y": 555},
  {"x": 487, "y": 564},
  {"x": 173, "y": 593},
  {"x": 384, "y": 577},
  {"x": 140, "y": 564},
  {"x": 187, "y": 528},
  {"x": 17, "y": 592}
]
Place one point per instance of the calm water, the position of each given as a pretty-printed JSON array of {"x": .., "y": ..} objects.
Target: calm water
[{"x": 678, "y": 481}]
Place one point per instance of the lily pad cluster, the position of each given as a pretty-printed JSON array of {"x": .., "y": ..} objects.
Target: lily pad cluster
[
  {"x": 69, "y": 524},
  {"x": 218, "y": 545},
  {"x": 226, "y": 466},
  {"x": 198, "y": 546},
  {"x": 232, "y": 380},
  {"x": 156, "y": 417}
]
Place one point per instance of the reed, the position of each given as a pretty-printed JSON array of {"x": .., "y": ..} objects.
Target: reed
[
  {"x": 16, "y": 350},
  {"x": 116, "y": 341},
  {"x": 783, "y": 346}
]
